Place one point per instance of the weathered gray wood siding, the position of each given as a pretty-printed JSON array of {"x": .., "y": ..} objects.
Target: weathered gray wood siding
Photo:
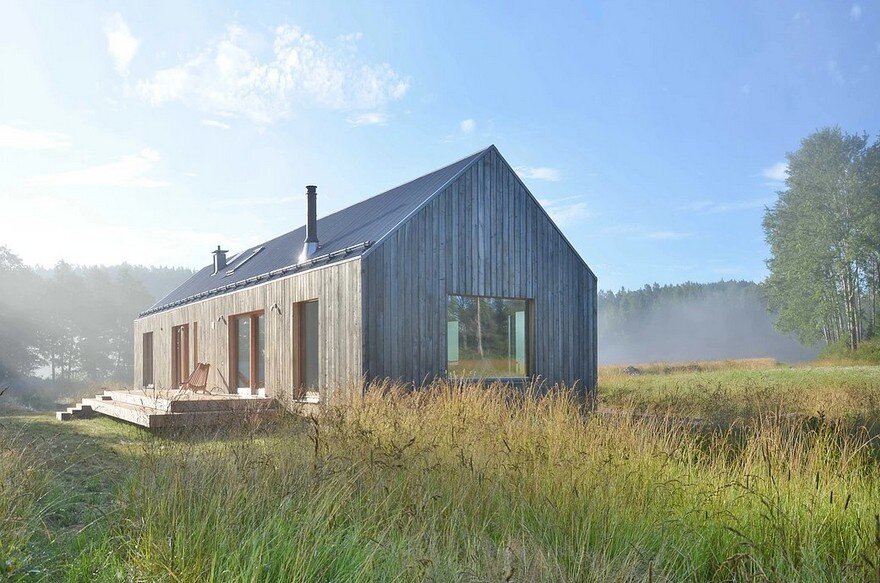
[
  {"x": 337, "y": 288},
  {"x": 484, "y": 234}
]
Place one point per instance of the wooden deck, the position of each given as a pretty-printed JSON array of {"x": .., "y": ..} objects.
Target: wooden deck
[{"x": 173, "y": 409}]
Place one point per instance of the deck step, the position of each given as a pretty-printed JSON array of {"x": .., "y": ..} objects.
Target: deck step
[
  {"x": 173, "y": 410},
  {"x": 187, "y": 402},
  {"x": 143, "y": 416}
]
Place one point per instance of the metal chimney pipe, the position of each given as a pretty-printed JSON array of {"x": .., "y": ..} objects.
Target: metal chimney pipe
[
  {"x": 311, "y": 243},
  {"x": 312, "y": 223},
  {"x": 219, "y": 259}
]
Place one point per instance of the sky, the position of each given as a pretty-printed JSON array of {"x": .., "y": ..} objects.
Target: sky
[{"x": 653, "y": 132}]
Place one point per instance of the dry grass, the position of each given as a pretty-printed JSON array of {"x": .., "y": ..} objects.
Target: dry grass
[
  {"x": 484, "y": 484},
  {"x": 663, "y": 368}
]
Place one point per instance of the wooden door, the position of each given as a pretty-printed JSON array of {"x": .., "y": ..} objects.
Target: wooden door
[{"x": 180, "y": 369}]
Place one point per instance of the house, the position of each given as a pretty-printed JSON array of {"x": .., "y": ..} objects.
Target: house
[{"x": 459, "y": 273}]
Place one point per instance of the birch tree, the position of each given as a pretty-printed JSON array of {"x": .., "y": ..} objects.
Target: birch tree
[{"x": 823, "y": 237}]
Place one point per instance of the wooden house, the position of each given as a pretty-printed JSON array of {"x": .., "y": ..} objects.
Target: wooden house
[{"x": 459, "y": 273}]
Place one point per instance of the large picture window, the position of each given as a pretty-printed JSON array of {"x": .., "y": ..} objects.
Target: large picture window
[
  {"x": 248, "y": 350},
  {"x": 486, "y": 337}
]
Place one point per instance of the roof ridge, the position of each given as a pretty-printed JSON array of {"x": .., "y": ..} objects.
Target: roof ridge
[{"x": 474, "y": 157}]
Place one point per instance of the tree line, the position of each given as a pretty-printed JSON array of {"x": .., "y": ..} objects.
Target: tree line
[
  {"x": 73, "y": 323},
  {"x": 824, "y": 238}
]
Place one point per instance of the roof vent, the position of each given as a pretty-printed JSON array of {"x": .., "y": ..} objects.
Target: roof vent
[
  {"x": 311, "y": 243},
  {"x": 219, "y": 259}
]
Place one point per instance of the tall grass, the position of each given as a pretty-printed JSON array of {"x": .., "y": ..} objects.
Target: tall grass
[
  {"x": 451, "y": 483},
  {"x": 484, "y": 484},
  {"x": 838, "y": 354},
  {"x": 726, "y": 396}
]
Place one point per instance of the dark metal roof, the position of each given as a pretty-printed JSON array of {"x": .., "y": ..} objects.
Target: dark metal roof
[{"x": 342, "y": 235}]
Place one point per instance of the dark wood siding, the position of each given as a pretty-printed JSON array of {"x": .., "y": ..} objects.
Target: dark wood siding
[{"x": 483, "y": 234}]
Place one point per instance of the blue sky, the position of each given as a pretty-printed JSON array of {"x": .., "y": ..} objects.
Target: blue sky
[{"x": 653, "y": 132}]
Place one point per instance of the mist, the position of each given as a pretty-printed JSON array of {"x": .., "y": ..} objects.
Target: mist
[{"x": 723, "y": 320}]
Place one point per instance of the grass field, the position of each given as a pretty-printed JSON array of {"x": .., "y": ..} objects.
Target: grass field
[{"x": 713, "y": 472}]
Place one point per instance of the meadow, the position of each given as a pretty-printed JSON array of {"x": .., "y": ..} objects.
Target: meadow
[{"x": 735, "y": 471}]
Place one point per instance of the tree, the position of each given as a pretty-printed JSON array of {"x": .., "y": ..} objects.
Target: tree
[
  {"x": 824, "y": 241},
  {"x": 17, "y": 332}
]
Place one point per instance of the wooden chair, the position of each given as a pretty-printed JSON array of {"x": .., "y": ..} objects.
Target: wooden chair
[{"x": 198, "y": 380}]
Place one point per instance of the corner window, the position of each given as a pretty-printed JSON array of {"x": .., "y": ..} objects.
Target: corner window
[
  {"x": 248, "y": 351},
  {"x": 486, "y": 337}
]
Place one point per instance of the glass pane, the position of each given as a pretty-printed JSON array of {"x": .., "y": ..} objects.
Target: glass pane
[
  {"x": 486, "y": 337},
  {"x": 261, "y": 351},
  {"x": 310, "y": 345},
  {"x": 148, "y": 359},
  {"x": 243, "y": 362},
  {"x": 452, "y": 332}
]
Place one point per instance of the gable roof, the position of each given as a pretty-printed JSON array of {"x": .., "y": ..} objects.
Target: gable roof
[{"x": 342, "y": 235}]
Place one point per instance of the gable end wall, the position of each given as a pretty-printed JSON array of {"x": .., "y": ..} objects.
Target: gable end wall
[{"x": 483, "y": 234}]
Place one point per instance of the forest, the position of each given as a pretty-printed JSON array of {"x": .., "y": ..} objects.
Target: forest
[{"x": 73, "y": 323}]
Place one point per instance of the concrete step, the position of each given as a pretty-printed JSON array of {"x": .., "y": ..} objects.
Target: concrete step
[
  {"x": 78, "y": 411},
  {"x": 81, "y": 411}
]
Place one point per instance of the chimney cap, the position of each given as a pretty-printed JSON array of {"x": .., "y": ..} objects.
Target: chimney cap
[
  {"x": 219, "y": 250},
  {"x": 311, "y": 189}
]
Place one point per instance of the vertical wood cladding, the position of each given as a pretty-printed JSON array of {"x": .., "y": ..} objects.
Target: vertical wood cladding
[
  {"x": 384, "y": 314},
  {"x": 483, "y": 234},
  {"x": 337, "y": 288}
]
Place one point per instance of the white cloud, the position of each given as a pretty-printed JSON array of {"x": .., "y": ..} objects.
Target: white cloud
[
  {"x": 126, "y": 172},
  {"x": 462, "y": 132},
  {"x": 229, "y": 77},
  {"x": 568, "y": 210},
  {"x": 213, "y": 123},
  {"x": 368, "y": 119},
  {"x": 13, "y": 138},
  {"x": 538, "y": 173},
  {"x": 121, "y": 44},
  {"x": 776, "y": 173},
  {"x": 712, "y": 207},
  {"x": 855, "y": 12}
]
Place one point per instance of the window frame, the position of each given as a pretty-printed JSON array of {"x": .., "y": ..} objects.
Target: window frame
[
  {"x": 253, "y": 349},
  {"x": 147, "y": 360},
  {"x": 529, "y": 333},
  {"x": 179, "y": 354},
  {"x": 299, "y": 347}
]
